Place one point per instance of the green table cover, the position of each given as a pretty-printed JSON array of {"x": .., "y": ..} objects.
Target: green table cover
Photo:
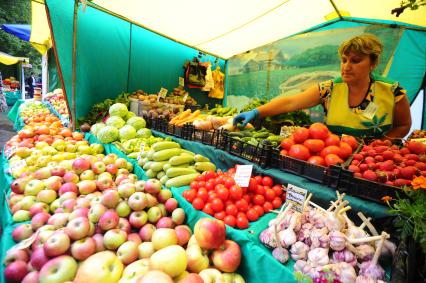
[
  {"x": 12, "y": 97},
  {"x": 13, "y": 116}
]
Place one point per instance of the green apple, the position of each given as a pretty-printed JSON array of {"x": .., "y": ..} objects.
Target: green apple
[
  {"x": 87, "y": 175},
  {"x": 114, "y": 238},
  {"x": 21, "y": 216},
  {"x": 97, "y": 148},
  {"x": 197, "y": 259},
  {"x": 85, "y": 149},
  {"x": 134, "y": 270},
  {"x": 59, "y": 269},
  {"x": 102, "y": 267},
  {"x": 232, "y": 278},
  {"x": 128, "y": 252},
  {"x": 41, "y": 144},
  {"x": 171, "y": 260},
  {"x": 123, "y": 209},
  {"x": 27, "y": 202},
  {"x": 69, "y": 147}
]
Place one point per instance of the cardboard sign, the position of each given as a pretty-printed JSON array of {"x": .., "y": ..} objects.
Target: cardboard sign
[
  {"x": 243, "y": 175},
  {"x": 27, "y": 242},
  {"x": 296, "y": 196},
  {"x": 10, "y": 151},
  {"x": 185, "y": 97},
  {"x": 163, "y": 92},
  {"x": 181, "y": 81}
]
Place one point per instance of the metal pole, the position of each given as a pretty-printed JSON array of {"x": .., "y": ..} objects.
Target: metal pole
[
  {"x": 74, "y": 59},
  {"x": 44, "y": 75},
  {"x": 22, "y": 81}
]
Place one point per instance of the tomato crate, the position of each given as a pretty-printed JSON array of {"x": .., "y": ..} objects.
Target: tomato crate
[
  {"x": 373, "y": 191},
  {"x": 299, "y": 167},
  {"x": 259, "y": 154}
]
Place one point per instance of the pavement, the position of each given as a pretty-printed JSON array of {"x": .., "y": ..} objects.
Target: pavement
[{"x": 6, "y": 129}]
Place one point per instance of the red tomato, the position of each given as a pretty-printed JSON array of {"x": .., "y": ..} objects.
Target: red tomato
[
  {"x": 299, "y": 151},
  {"x": 269, "y": 194},
  {"x": 217, "y": 204},
  {"x": 345, "y": 150},
  {"x": 242, "y": 205},
  {"x": 316, "y": 160},
  {"x": 277, "y": 202},
  {"x": 318, "y": 131},
  {"x": 278, "y": 189},
  {"x": 235, "y": 192},
  {"x": 208, "y": 209},
  {"x": 232, "y": 171},
  {"x": 252, "y": 185},
  {"x": 209, "y": 175},
  {"x": 267, "y": 206},
  {"x": 332, "y": 139},
  {"x": 300, "y": 135},
  {"x": 330, "y": 149},
  {"x": 287, "y": 143},
  {"x": 203, "y": 194},
  {"x": 212, "y": 195},
  {"x": 194, "y": 185},
  {"x": 201, "y": 184},
  {"x": 220, "y": 215},
  {"x": 210, "y": 185},
  {"x": 260, "y": 190},
  {"x": 259, "y": 210},
  {"x": 229, "y": 182},
  {"x": 314, "y": 145},
  {"x": 242, "y": 222},
  {"x": 332, "y": 159},
  {"x": 223, "y": 193},
  {"x": 252, "y": 214},
  {"x": 230, "y": 220},
  {"x": 258, "y": 179},
  {"x": 190, "y": 195},
  {"x": 351, "y": 141},
  {"x": 267, "y": 181},
  {"x": 219, "y": 186},
  {"x": 200, "y": 178},
  {"x": 259, "y": 199},
  {"x": 231, "y": 209},
  {"x": 248, "y": 197},
  {"x": 198, "y": 203},
  {"x": 284, "y": 152}
]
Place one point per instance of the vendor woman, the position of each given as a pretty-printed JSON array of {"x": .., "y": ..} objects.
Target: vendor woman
[{"x": 357, "y": 103}]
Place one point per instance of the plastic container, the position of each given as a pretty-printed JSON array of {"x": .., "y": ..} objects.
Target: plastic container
[
  {"x": 134, "y": 105},
  {"x": 260, "y": 155}
]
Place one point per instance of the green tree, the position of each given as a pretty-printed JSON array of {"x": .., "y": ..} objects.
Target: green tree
[
  {"x": 17, "y": 12},
  {"x": 318, "y": 56}
]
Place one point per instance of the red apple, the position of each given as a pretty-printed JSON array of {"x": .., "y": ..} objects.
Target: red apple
[
  {"x": 38, "y": 259},
  {"x": 83, "y": 248},
  {"x": 109, "y": 220},
  {"x": 57, "y": 244},
  {"x": 210, "y": 233},
  {"x": 152, "y": 186},
  {"x": 16, "y": 271},
  {"x": 13, "y": 255},
  {"x": 227, "y": 258},
  {"x": 79, "y": 165},
  {"x": 78, "y": 228}
]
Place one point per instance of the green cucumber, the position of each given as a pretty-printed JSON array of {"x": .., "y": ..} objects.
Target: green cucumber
[
  {"x": 164, "y": 145},
  {"x": 174, "y": 172},
  {"x": 181, "y": 180}
]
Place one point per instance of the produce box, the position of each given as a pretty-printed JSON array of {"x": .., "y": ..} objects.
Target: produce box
[
  {"x": 298, "y": 167},
  {"x": 259, "y": 154},
  {"x": 206, "y": 137}
]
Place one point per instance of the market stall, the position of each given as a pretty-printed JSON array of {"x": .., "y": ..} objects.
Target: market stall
[{"x": 155, "y": 166}]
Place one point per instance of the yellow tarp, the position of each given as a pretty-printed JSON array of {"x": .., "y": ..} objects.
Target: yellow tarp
[
  {"x": 40, "y": 32},
  {"x": 10, "y": 60}
]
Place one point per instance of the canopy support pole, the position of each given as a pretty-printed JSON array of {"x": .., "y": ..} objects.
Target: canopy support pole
[
  {"x": 44, "y": 75},
  {"x": 74, "y": 59},
  {"x": 22, "y": 81}
]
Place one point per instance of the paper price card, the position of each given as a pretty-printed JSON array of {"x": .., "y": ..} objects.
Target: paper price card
[
  {"x": 181, "y": 81},
  {"x": 141, "y": 151},
  {"x": 243, "y": 174},
  {"x": 27, "y": 242},
  {"x": 185, "y": 97},
  {"x": 10, "y": 151},
  {"x": 18, "y": 164},
  {"x": 296, "y": 196},
  {"x": 163, "y": 92}
]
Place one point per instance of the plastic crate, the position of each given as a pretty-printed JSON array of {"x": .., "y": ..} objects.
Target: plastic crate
[
  {"x": 260, "y": 155},
  {"x": 205, "y": 137},
  {"x": 373, "y": 191},
  {"x": 221, "y": 139}
]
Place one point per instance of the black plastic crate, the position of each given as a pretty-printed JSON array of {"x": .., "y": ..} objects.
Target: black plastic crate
[
  {"x": 260, "y": 155},
  {"x": 363, "y": 188},
  {"x": 205, "y": 137},
  {"x": 221, "y": 139},
  {"x": 302, "y": 168},
  {"x": 192, "y": 107}
]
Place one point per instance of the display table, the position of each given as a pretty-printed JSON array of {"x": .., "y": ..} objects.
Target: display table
[{"x": 12, "y": 97}]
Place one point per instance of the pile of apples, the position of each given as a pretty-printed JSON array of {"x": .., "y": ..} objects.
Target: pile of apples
[
  {"x": 380, "y": 161},
  {"x": 318, "y": 146},
  {"x": 35, "y": 111},
  {"x": 217, "y": 194},
  {"x": 57, "y": 100}
]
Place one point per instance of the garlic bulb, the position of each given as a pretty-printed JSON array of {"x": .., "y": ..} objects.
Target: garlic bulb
[
  {"x": 316, "y": 218},
  {"x": 319, "y": 238},
  {"x": 299, "y": 265},
  {"x": 337, "y": 240},
  {"x": 280, "y": 254},
  {"x": 304, "y": 232},
  {"x": 365, "y": 279},
  {"x": 334, "y": 220},
  {"x": 346, "y": 272},
  {"x": 372, "y": 270},
  {"x": 365, "y": 252},
  {"x": 288, "y": 236},
  {"x": 268, "y": 238},
  {"x": 344, "y": 256},
  {"x": 318, "y": 257},
  {"x": 299, "y": 250}
]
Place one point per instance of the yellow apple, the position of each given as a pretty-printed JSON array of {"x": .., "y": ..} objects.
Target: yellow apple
[{"x": 102, "y": 267}]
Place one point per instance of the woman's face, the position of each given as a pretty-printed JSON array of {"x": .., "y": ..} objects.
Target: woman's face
[{"x": 355, "y": 67}]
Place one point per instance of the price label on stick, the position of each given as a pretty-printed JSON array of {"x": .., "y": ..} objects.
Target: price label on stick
[
  {"x": 141, "y": 151},
  {"x": 181, "y": 81},
  {"x": 10, "y": 151},
  {"x": 243, "y": 174},
  {"x": 27, "y": 242},
  {"x": 163, "y": 92},
  {"x": 296, "y": 196},
  {"x": 185, "y": 97}
]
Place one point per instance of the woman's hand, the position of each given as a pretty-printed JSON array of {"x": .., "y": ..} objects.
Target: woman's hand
[{"x": 246, "y": 117}]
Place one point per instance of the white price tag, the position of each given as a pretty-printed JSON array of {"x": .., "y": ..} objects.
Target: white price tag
[
  {"x": 370, "y": 111},
  {"x": 181, "y": 81},
  {"x": 296, "y": 196},
  {"x": 242, "y": 175},
  {"x": 185, "y": 97},
  {"x": 27, "y": 242},
  {"x": 10, "y": 151},
  {"x": 141, "y": 150},
  {"x": 163, "y": 92}
]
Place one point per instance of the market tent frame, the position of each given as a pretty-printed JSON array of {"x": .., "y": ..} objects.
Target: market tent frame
[
  {"x": 11, "y": 60},
  {"x": 242, "y": 26}
]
